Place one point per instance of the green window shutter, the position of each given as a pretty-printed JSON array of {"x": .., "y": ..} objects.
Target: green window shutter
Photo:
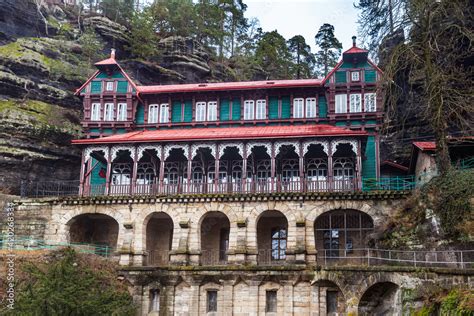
[
  {"x": 224, "y": 110},
  {"x": 122, "y": 86},
  {"x": 323, "y": 106},
  {"x": 96, "y": 86},
  {"x": 340, "y": 76},
  {"x": 370, "y": 76},
  {"x": 285, "y": 107},
  {"x": 369, "y": 164},
  {"x": 176, "y": 112},
  {"x": 273, "y": 108},
  {"x": 95, "y": 177},
  {"x": 140, "y": 115},
  {"x": 188, "y": 111},
  {"x": 236, "y": 109}
]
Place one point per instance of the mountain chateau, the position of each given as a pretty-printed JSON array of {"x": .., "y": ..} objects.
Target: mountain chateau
[{"x": 225, "y": 197}]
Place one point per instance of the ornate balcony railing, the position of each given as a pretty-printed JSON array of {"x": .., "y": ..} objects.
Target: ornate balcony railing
[{"x": 328, "y": 184}]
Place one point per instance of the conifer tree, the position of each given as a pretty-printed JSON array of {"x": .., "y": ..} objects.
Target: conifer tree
[
  {"x": 304, "y": 60},
  {"x": 273, "y": 56},
  {"x": 329, "y": 49}
]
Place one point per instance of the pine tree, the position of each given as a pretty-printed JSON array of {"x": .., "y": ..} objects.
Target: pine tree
[
  {"x": 304, "y": 60},
  {"x": 91, "y": 45},
  {"x": 329, "y": 49},
  {"x": 272, "y": 55},
  {"x": 143, "y": 39}
]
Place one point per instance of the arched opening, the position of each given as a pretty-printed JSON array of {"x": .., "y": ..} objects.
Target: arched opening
[
  {"x": 329, "y": 299},
  {"x": 344, "y": 168},
  {"x": 215, "y": 228},
  {"x": 159, "y": 238},
  {"x": 148, "y": 168},
  {"x": 272, "y": 235},
  {"x": 99, "y": 230},
  {"x": 316, "y": 168},
  {"x": 380, "y": 299},
  {"x": 121, "y": 176},
  {"x": 202, "y": 172},
  {"x": 259, "y": 170},
  {"x": 175, "y": 168},
  {"x": 230, "y": 171},
  {"x": 288, "y": 169},
  {"x": 342, "y": 235}
]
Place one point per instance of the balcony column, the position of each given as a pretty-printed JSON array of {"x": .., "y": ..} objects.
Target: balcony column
[
  {"x": 301, "y": 167},
  {"x": 244, "y": 168},
  {"x": 81, "y": 176},
  {"x": 359, "y": 166},
  {"x": 330, "y": 171},
  {"x": 161, "y": 172},
  {"x": 216, "y": 170},
  {"x": 272, "y": 167},
  {"x": 189, "y": 173},
  {"x": 109, "y": 170},
  {"x": 133, "y": 183}
]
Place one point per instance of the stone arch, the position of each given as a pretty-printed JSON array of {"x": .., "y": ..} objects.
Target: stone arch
[
  {"x": 158, "y": 231},
  {"x": 341, "y": 234},
  {"x": 263, "y": 297},
  {"x": 271, "y": 225},
  {"x": 95, "y": 229},
  {"x": 214, "y": 232},
  {"x": 381, "y": 298},
  {"x": 328, "y": 297}
]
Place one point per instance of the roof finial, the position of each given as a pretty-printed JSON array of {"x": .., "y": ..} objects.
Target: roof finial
[
  {"x": 112, "y": 53},
  {"x": 354, "y": 40}
]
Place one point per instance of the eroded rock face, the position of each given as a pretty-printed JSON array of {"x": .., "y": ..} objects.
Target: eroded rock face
[{"x": 114, "y": 34}]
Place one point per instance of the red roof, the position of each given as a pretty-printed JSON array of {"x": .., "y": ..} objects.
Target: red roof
[
  {"x": 230, "y": 86},
  {"x": 108, "y": 61},
  {"x": 425, "y": 145},
  {"x": 355, "y": 50},
  {"x": 225, "y": 133}
]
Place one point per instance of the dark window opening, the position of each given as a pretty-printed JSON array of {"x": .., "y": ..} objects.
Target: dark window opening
[
  {"x": 211, "y": 301},
  {"x": 154, "y": 300},
  {"x": 331, "y": 302},
  {"x": 271, "y": 302}
]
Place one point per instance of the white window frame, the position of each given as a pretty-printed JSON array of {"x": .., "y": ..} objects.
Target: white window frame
[
  {"x": 370, "y": 102},
  {"x": 249, "y": 109},
  {"x": 109, "y": 86},
  {"x": 310, "y": 107},
  {"x": 164, "y": 113},
  {"x": 341, "y": 103},
  {"x": 95, "y": 111},
  {"x": 200, "y": 111},
  {"x": 121, "y": 111},
  {"x": 212, "y": 111},
  {"x": 261, "y": 110},
  {"x": 355, "y": 76},
  {"x": 298, "y": 108},
  {"x": 109, "y": 111},
  {"x": 355, "y": 103},
  {"x": 153, "y": 113}
]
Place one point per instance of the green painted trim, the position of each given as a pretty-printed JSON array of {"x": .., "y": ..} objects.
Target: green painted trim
[
  {"x": 224, "y": 114},
  {"x": 140, "y": 115},
  {"x": 273, "y": 108},
  {"x": 285, "y": 107}
]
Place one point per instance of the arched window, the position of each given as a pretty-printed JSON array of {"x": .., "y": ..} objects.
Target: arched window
[
  {"x": 145, "y": 173},
  {"x": 153, "y": 113},
  {"x": 343, "y": 168},
  {"x": 279, "y": 243},
  {"x": 121, "y": 173}
]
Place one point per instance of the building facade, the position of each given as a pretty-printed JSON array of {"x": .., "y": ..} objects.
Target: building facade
[{"x": 250, "y": 184}]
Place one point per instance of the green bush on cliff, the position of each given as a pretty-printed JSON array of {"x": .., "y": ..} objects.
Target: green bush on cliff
[{"x": 71, "y": 285}]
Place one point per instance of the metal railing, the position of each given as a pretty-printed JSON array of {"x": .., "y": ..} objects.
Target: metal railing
[
  {"x": 212, "y": 257},
  {"x": 463, "y": 259},
  {"x": 27, "y": 243},
  {"x": 157, "y": 257},
  {"x": 266, "y": 186},
  {"x": 271, "y": 257}
]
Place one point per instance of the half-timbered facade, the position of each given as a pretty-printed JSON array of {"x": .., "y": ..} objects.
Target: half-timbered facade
[{"x": 308, "y": 135}]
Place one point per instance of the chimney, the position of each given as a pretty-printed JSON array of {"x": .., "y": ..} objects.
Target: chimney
[
  {"x": 354, "y": 40},
  {"x": 112, "y": 53}
]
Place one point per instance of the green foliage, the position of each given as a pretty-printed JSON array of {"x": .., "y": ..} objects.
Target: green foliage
[
  {"x": 92, "y": 47},
  {"x": 273, "y": 55},
  {"x": 120, "y": 11},
  {"x": 329, "y": 49},
  {"x": 449, "y": 196},
  {"x": 143, "y": 39},
  {"x": 69, "y": 286},
  {"x": 303, "y": 59},
  {"x": 458, "y": 303}
]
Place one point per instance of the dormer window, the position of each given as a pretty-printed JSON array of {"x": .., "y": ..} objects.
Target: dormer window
[
  {"x": 355, "y": 76},
  {"x": 109, "y": 86}
]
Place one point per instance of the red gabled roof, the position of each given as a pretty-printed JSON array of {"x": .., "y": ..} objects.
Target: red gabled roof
[
  {"x": 230, "y": 133},
  {"x": 355, "y": 50},
  {"x": 105, "y": 62},
  {"x": 429, "y": 146},
  {"x": 243, "y": 85}
]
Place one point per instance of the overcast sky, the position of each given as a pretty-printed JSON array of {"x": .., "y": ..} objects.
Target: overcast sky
[{"x": 304, "y": 17}]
